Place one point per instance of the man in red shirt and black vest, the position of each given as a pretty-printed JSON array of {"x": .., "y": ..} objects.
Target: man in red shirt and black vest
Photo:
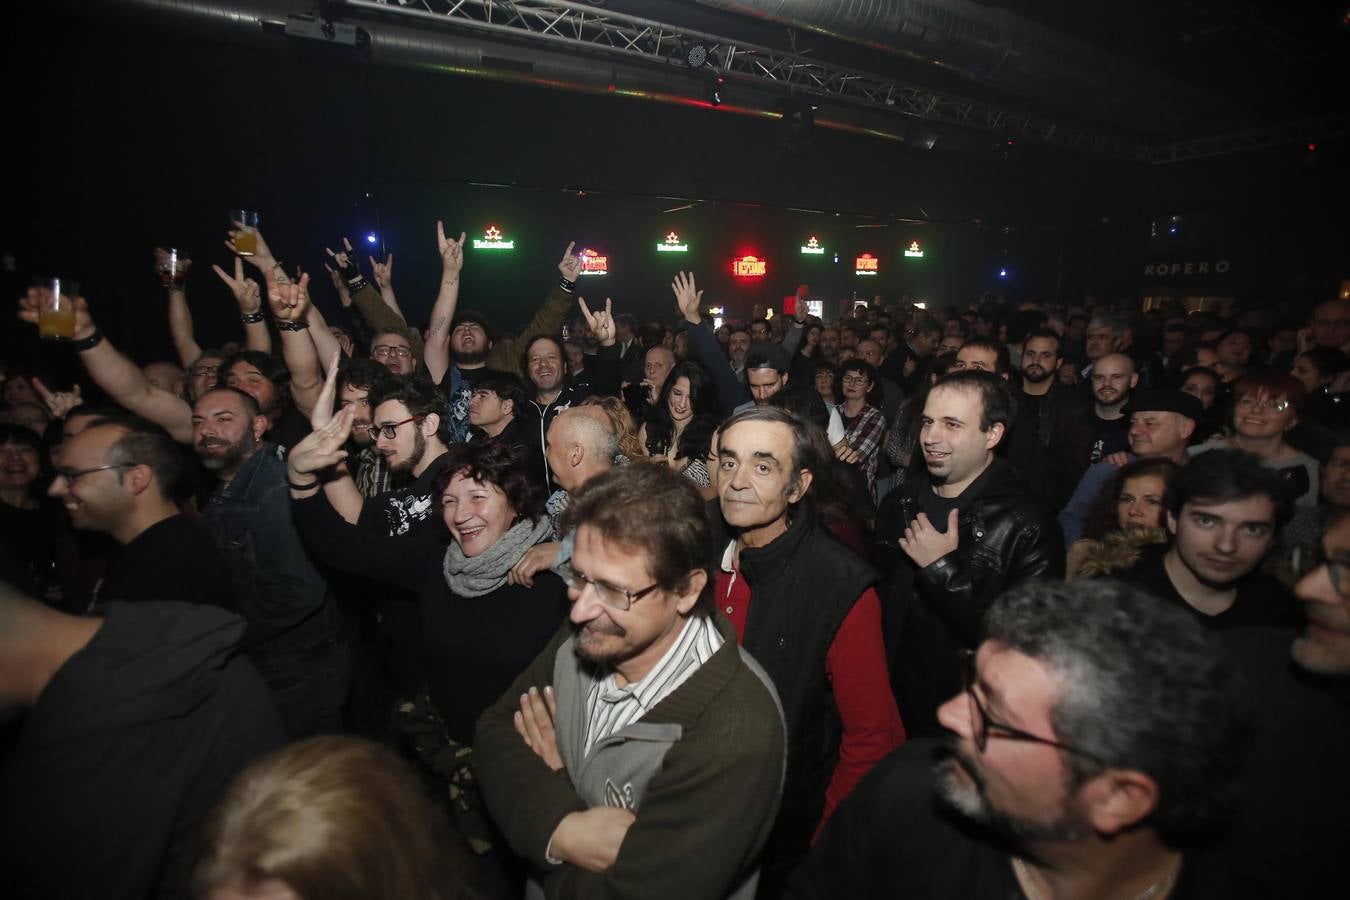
[{"x": 804, "y": 606}]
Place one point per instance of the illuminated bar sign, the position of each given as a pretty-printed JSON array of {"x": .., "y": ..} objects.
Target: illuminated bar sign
[
  {"x": 913, "y": 250},
  {"x": 672, "y": 244},
  {"x": 593, "y": 263},
  {"x": 492, "y": 240},
  {"x": 812, "y": 247},
  {"x": 748, "y": 267},
  {"x": 867, "y": 264}
]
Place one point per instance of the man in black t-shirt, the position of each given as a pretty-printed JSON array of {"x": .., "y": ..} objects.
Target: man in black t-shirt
[
  {"x": 118, "y": 476},
  {"x": 1225, "y": 511},
  {"x": 1092, "y": 753}
]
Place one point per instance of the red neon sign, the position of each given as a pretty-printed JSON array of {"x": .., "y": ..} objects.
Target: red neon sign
[
  {"x": 867, "y": 264},
  {"x": 749, "y": 267},
  {"x": 593, "y": 263}
]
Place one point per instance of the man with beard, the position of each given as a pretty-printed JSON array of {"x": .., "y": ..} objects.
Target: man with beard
[
  {"x": 543, "y": 365},
  {"x": 1093, "y": 753},
  {"x": 367, "y": 464},
  {"x": 642, "y": 737},
  {"x": 393, "y": 349},
  {"x": 829, "y": 344},
  {"x": 293, "y": 627},
  {"x": 1086, "y": 439},
  {"x": 461, "y": 344},
  {"x": 1043, "y": 406},
  {"x": 117, "y": 476},
  {"x": 970, "y": 530}
]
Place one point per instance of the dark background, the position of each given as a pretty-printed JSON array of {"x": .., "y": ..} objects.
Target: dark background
[{"x": 126, "y": 137}]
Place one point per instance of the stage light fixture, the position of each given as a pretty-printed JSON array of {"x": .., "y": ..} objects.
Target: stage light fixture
[
  {"x": 696, "y": 54},
  {"x": 371, "y": 238}
]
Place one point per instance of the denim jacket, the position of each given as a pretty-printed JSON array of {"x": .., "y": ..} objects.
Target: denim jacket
[{"x": 289, "y": 608}]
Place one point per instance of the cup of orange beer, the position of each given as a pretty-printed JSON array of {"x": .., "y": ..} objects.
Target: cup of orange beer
[
  {"x": 56, "y": 308},
  {"x": 245, "y": 236}
]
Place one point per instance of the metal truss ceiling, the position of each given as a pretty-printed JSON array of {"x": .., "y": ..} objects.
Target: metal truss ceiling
[{"x": 588, "y": 28}]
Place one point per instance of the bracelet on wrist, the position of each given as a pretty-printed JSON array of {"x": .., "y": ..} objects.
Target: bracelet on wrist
[
  {"x": 302, "y": 487},
  {"x": 90, "y": 342},
  {"x": 292, "y": 326},
  {"x": 566, "y": 285},
  {"x": 252, "y": 318},
  {"x": 356, "y": 284}
]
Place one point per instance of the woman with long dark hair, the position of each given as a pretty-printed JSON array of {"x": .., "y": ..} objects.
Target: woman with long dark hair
[{"x": 679, "y": 428}]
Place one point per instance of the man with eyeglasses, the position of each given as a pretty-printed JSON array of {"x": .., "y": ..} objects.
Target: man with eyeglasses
[
  {"x": 293, "y": 635},
  {"x": 805, "y": 607},
  {"x": 1226, "y": 510},
  {"x": 117, "y": 476},
  {"x": 1093, "y": 752},
  {"x": 642, "y": 753},
  {"x": 392, "y": 348}
]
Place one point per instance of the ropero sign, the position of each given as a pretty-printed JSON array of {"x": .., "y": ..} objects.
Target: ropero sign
[{"x": 1187, "y": 267}]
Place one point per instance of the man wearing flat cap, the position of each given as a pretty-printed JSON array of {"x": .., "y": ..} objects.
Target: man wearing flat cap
[{"x": 1161, "y": 424}]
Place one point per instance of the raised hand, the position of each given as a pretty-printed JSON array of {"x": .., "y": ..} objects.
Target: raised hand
[
  {"x": 246, "y": 291},
  {"x": 31, "y": 303},
  {"x": 322, "y": 448},
  {"x": 687, "y": 297},
  {"x": 345, "y": 260},
  {"x": 162, "y": 261},
  {"x": 601, "y": 322},
  {"x": 262, "y": 255},
  {"x": 290, "y": 300},
  {"x": 451, "y": 251},
  {"x": 322, "y": 413},
  {"x": 569, "y": 265},
  {"x": 59, "y": 403},
  {"x": 343, "y": 293},
  {"x": 384, "y": 271}
]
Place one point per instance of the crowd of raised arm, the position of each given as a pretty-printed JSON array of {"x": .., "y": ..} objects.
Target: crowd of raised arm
[{"x": 915, "y": 599}]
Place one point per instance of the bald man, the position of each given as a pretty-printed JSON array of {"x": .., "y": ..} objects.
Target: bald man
[
  {"x": 167, "y": 377},
  {"x": 582, "y": 444}
]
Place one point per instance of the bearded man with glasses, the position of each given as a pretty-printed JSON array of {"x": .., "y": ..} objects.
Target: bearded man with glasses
[
  {"x": 668, "y": 737},
  {"x": 1093, "y": 752}
]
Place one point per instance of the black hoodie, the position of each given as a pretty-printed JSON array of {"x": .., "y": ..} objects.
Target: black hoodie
[{"x": 126, "y": 752}]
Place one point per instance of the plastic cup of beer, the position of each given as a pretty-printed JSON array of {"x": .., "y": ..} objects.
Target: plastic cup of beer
[
  {"x": 245, "y": 231},
  {"x": 56, "y": 308},
  {"x": 170, "y": 272}
]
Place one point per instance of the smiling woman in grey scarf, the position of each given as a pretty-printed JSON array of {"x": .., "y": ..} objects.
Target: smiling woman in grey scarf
[{"x": 478, "y": 632}]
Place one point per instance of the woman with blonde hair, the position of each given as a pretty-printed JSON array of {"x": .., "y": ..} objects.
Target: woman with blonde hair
[{"x": 329, "y": 818}]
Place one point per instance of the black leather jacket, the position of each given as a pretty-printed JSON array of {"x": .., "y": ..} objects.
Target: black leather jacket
[{"x": 1005, "y": 537}]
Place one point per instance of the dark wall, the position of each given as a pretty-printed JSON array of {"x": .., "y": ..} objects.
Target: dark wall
[{"x": 147, "y": 138}]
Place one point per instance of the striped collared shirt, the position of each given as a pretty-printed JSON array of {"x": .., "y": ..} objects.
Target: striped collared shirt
[{"x": 610, "y": 708}]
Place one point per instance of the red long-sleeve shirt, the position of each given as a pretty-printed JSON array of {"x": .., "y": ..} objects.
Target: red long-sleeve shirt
[{"x": 856, "y": 665}]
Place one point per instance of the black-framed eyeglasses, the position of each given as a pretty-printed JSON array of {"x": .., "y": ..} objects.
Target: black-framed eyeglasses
[
  {"x": 70, "y": 476},
  {"x": 983, "y": 724},
  {"x": 390, "y": 430},
  {"x": 382, "y": 350},
  {"x": 614, "y": 597}
]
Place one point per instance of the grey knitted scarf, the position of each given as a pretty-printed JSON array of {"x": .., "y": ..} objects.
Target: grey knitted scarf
[{"x": 484, "y": 573}]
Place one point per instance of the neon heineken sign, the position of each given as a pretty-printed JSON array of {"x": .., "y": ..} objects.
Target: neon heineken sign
[
  {"x": 492, "y": 240},
  {"x": 913, "y": 251},
  {"x": 813, "y": 248},
  {"x": 672, "y": 244}
]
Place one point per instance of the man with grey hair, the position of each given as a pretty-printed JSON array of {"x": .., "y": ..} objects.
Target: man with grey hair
[
  {"x": 1104, "y": 333},
  {"x": 1093, "y": 752}
]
